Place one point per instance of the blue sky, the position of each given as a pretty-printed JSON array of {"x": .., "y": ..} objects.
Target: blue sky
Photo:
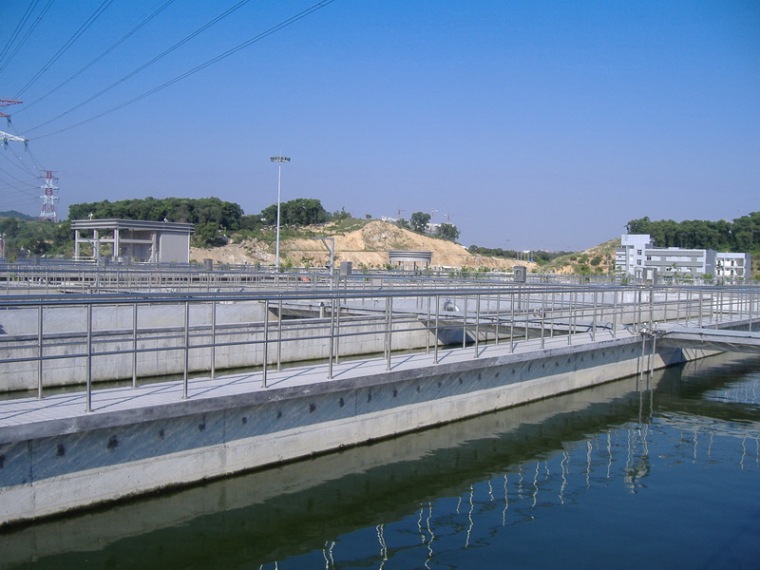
[{"x": 527, "y": 124}]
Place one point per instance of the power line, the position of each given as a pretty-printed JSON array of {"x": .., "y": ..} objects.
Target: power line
[
  {"x": 11, "y": 55},
  {"x": 196, "y": 69},
  {"x": 6, "y": 173},
  {"x": 74, "y": 37},
  {"x": 124, "y": 38},
  {"x": 145, "y": 65},
  {"x": 19, "y": 27}
]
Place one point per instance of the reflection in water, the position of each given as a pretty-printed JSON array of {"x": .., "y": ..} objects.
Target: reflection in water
[{"x": 663, "y": 470}]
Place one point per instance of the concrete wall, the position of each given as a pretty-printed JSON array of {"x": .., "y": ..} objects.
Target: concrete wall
[
  {"x": 239, "y": 340},
  {"x": 55, "y": 466},
  {"x": 239, "y": 335}
]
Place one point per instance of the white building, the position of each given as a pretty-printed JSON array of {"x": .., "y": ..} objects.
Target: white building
[
  {"x": 733, "y": 266},
  {"x": 629, "y": 258},
  {"x": 639, "y": 258}
]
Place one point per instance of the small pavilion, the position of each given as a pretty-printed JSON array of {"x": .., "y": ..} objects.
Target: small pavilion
[
  {"x": 410, "y": 259},
  {"x": 132, "y": 240}
]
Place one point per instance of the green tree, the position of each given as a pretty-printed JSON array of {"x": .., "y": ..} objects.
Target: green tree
[
  {"x": 419, "y": 222},
  {"x": 448, "y": 231}
]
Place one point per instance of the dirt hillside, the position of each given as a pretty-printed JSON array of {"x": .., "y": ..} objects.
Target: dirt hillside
[{"x": 365, "y": 247}]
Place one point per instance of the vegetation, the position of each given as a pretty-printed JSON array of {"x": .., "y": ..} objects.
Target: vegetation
[
  {"x": 448, "y": 232},
  {"x": 298, "y": 212},
  {"x": 216, "y": 221},
  {"x": 741, "y": 235},
  {"x": 419, "y": 222},
  {"x": 15, "y": 214},
  {"x": 226, "y": 215},
  {"x": 27, "y": 237},
  {"x": 539, "y": 256}
]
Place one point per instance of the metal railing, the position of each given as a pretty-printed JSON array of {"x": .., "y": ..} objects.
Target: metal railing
[{"x": 50, "y": 340}]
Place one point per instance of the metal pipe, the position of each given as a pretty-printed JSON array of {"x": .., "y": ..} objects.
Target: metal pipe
[
  {"x": 390, "y": 333},
  {"x": 88, "y": 397},
  {"x": 435, "y": 340},
  {"x": 279, "y": 334},
  {"x": 134, "y": 345},
  {"x": 332, "y": 338},
  {"x": 39, "y": 352},
  {"x": 187, "y": 350},
  {"x": 477, "y": 325},
  {"x": 213, "y": 339},
  {"x": 265, "y": 350}
]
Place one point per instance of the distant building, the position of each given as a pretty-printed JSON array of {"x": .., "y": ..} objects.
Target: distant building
[
  {"x": 132, "y": 240},
  {"x": 734, "y": 266},
  {"x": 410, "y": 260},
  {"x": 639, "y": 258}
]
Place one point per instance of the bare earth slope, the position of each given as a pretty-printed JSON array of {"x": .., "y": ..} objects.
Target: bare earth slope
[{"x": 366, "y": 247}]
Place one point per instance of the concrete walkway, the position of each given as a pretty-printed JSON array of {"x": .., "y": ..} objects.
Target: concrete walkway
[{"x": 16, "y": 413}]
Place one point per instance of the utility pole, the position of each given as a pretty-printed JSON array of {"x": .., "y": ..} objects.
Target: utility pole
[{"x": 279, "y": 160}]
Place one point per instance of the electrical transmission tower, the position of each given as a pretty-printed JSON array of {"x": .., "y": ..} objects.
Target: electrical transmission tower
[
  {"x": 7, "y": 137},
  {"x": 49, "y": 198},
  {"x": 5, "y": 103}
]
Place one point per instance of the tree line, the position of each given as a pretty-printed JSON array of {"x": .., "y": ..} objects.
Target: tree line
[
  {"x": 537, "y": 255},
  {"x": 419, "y": 222},
  {"x": 741, "y": 235}
]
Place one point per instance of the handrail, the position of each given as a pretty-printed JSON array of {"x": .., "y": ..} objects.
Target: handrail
[{"x": 90, "y": 331}]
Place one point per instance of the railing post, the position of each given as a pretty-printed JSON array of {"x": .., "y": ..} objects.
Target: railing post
[
  {"x": 464, "y": 323},
  {"x": 752, "y": 303},
  {"x": 332, "y": 339},
  {"x": 337, "y": 331},
  {"x": 279, "y": 335},
  {"x": 498, "y": 318},
  {"x": 427, "y": 327},
  {"x": 477, "y": 325},
  {"x": 435, "y": 339},
  {"x": 187, "y": 350},
  {"x": 543, "y": 317},
  {"x": 213, "y": 339},
  {"x": 88, "y": 395},
  {"x": 265, "y": 350},
  {"x": 389, "y": 306},
  {"x": 512, "y": 322},
  {"x": 701, "y": 304},
  {"x": 134, "y": 345},
  {"x": 39, "y": 352}
]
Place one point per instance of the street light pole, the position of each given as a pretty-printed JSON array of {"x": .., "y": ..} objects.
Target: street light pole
[{"x": 279, "y": 160}]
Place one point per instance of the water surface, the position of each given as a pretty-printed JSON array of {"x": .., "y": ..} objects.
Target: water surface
[{"x": 661, "y": 473}]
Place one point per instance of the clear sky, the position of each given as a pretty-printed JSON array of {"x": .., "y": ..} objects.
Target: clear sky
[{"x": 527, "y": 124}]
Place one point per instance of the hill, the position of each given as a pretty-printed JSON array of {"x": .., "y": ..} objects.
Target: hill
[
  {"x": 15, "y": 214},
  {"x": 598, "y": 260},
  {"x": 366, "y": 246}
]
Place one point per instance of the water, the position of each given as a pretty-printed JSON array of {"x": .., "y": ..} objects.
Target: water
[{"x": 663, "y": 473}]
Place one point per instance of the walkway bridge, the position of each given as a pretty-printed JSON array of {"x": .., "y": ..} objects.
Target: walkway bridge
[{"x": 722, "y": 340}]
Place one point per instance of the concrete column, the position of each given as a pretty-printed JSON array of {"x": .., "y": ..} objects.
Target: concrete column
[{"x": 116, "y": 247}]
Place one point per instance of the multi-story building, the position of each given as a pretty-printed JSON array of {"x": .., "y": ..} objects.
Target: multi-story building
[
  {"x": 733, "y": 266},
  {"x": 639, "y": 258},
  {"x": 629, "y": 258}
]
